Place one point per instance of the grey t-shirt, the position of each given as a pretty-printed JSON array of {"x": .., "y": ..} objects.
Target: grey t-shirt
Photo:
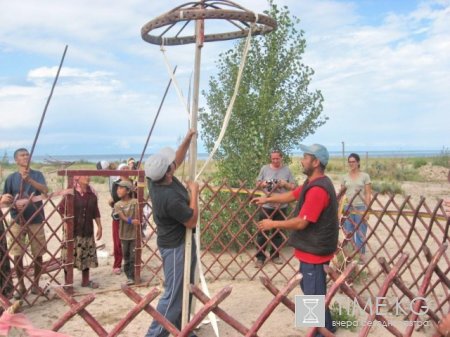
[
  {"x": 269, "y": 173},
  {"x": 354, "y": 185}
]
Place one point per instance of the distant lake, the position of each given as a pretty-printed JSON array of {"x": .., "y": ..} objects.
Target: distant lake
[{"x": 202, "y": 156}]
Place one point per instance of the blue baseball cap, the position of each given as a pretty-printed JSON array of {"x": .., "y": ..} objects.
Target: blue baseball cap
[{"x": 318, "y": 151}]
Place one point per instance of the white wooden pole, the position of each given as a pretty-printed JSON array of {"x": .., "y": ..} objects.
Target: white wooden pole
[{"x": 199, "y": 32}]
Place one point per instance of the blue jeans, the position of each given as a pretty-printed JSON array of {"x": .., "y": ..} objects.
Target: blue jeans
[
  {"x": 170, "y": 303},
  {"x": 314, "y": 282},
  {"x": 356, "y": 221}
]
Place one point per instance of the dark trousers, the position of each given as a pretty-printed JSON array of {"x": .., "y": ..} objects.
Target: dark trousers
[
  {"x": 128, "y": 251},
  {"x": 276, "y": 240},
  {"x": 314, "y": 283}
]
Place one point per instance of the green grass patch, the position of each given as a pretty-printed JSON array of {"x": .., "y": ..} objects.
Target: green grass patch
[{"x": 343, "y": 318}]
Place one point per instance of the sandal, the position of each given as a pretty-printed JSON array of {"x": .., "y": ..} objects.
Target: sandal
[{"x": 91, "y": 284}]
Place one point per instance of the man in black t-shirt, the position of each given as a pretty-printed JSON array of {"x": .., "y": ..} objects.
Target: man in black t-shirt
[{"x": 174, "y": 210}]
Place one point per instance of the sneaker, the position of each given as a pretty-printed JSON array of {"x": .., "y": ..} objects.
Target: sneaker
[
  {"x": 130, "y": 282},
  {"x": 259, "y": 263},
  {"x": 277, "y": 260},
  {"x": 117, "y": 271}
]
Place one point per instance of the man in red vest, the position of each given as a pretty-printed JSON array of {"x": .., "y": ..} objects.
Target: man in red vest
[{"x": 314, "y": 228}]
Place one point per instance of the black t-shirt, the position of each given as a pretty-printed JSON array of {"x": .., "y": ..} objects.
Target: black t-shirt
[{"x": 170, "y": 211}]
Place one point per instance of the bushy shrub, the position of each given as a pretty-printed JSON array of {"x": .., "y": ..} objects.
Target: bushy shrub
[
  {"x": 228, "y": 222},
  {"x": 387, "y": 187},
  {"x": 443, "y": 159},
  {"x": 419, "y": 162}
]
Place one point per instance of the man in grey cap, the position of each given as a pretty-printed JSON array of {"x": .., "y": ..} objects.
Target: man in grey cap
[
  {"x": 174, "y": 210},
  {"x": 314, "y": 225}
]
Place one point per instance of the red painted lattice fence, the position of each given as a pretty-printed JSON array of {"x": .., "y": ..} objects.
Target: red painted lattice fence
[{"x": 397, "y": 225}]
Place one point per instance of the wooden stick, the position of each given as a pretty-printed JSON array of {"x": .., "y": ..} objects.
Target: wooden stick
[
  {"x": 362, "y": 303},
  {"x": 231, "y": 321},
  {"x": 156, "y": 117},
  {"x": 73, "y": 310},
  {"x": 143, "y": 303},
  {"x": 275, "y": 291},
  {"x": 135, "y": 297},
  {"x": 424, "y": 287},
  {"x": 438, "y": 269},
  {"x": 384, "y": 289},
  {"x": 203, "y": 312},
  {"x": 90, "y": 320},
  {"x": 329, "y": 296},
  {"x": 46, "y": 106},
  {"x": 199, "y": 32},
  {"x": 403, "y": 288},
  {"x": 294, "y": 282}
]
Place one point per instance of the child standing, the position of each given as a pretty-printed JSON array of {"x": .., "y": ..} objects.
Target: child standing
[{"x": 126, "y": 209}]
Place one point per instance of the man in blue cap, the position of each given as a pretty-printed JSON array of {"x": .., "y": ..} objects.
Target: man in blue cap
[{"x": 315, "y": 226}]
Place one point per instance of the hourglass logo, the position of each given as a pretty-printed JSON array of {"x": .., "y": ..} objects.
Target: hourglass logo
[{"x": 310, "y": 310}]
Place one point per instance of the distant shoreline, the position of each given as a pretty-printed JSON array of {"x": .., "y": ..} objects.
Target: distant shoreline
[{"x": 93, "y": 158}]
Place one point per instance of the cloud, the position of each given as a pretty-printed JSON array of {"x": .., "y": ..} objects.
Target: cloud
[{"x": 382, "y": 79}]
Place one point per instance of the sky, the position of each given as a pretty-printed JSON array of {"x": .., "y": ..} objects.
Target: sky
[{"x": 383, "y": 68}]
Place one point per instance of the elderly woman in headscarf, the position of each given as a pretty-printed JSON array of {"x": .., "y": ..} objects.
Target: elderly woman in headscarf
[{"x": 85, "y": 212}]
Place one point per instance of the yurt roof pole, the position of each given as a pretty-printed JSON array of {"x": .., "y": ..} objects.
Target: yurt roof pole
[
  {"x": 46, "y": 106},
  {"x": 199, "y": 37}
]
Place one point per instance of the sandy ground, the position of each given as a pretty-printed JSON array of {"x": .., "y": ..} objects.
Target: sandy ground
[{"x": 246, "y": 302}]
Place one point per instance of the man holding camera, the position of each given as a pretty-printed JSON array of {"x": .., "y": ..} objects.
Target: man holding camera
[{"x": 273, "y": 178}]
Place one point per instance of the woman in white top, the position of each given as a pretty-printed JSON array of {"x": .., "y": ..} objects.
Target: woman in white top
[{"x": 356, "y": 182}]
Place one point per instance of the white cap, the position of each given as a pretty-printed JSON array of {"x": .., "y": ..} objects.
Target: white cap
[
  {"x": 104, "y": 164},
  {"x": 156, "y": 165},
  {"x": 122, "y": 166}
]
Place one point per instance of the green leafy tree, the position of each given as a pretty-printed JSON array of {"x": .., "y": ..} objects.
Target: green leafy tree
[{"x": 274, "y": 108}]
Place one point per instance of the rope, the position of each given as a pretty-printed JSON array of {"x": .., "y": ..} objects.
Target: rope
[
  {"x": 49, "y": 285},
  {"x": 211, "y": 315},
  {"x": 233, "y": 98}
]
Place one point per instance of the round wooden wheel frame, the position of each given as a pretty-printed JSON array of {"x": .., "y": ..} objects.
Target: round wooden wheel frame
[{"x": 206, "y": 10}]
